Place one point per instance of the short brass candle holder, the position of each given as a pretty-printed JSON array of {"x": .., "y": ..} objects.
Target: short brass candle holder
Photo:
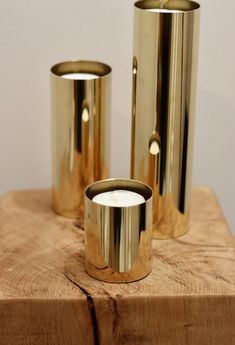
[
  {"x": 118, "y": 230},
  {"x": 81, "y": 107}
]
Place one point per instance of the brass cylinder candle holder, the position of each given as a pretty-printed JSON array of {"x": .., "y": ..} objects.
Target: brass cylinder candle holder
[
  {"x": 118, "y": 230},
  {"x": 164, "y": 84},
  {"x": 80, "y": 107}
]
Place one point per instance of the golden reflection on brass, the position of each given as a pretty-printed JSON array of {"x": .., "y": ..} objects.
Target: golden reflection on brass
[
  {"x": 165, "y": 51},
  {"x": 80, "y": 132},
  {"x": 118, "y": 242}
]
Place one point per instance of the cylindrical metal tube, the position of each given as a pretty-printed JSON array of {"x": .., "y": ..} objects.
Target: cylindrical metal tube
[
  {"x": 164, "y": 83},
  {"x": 118, "y": 242},
  {"x": 81, "y": 106}
]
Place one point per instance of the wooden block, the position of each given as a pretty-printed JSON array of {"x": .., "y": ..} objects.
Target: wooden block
[{"x": 47, "y": 298}]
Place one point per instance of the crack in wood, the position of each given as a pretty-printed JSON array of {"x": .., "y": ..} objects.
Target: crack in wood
[
  {"x": 116, "y": 315},
  {"x": 91, "y": 308},
  {"x": 79, "y": 223}
]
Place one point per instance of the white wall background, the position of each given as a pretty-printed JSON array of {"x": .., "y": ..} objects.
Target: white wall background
[{"x": 36, "y": 34}]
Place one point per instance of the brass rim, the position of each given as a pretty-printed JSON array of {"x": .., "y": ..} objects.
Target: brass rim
[
  {"x": 171, "y": 5},
  {"x": 82, "y": 66},
  {"x": 115, "y": 183}
]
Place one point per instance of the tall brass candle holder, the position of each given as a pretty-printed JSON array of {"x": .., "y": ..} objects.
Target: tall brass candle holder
[
  {"x": 164, "y": 83},
  {"x": 118, "y": 229},
  {"x": 81, "y": 106}
]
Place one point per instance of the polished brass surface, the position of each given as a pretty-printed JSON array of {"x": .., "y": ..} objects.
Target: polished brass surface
[
  {"x": 164, "y": 83},
  {"x": 80, "y": 132},
  {"x": 118, "y": 242}
]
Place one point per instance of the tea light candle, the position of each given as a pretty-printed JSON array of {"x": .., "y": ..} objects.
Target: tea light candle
[
  {"x": 118, "y": 230},
  {"x": 80, "y": 76},
  {"x": 119, "y": 198}
]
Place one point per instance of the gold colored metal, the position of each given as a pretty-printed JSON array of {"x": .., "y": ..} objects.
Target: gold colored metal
[
  {"x": 80, "y": 132},
  {"x": 164, "y": 84},
  {"x": 118, "y": 239}
]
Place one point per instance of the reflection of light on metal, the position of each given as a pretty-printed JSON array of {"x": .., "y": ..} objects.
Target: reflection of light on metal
[
  {"x": 165, "y": 47},
  {"x": 134, "y": 79},
  {"x": 154, "y": 168},
  {"x": 135, "y": 64},
  {"x": 85, "y": 114},
  {"x": 85, "y": 152},
  {"x": 81, "y": 107},
  {"x": 154, "y": 148},
  {"x": 118, "y": 243}
]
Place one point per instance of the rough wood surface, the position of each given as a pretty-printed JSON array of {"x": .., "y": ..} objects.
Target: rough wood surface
[{"x": 47, "y": 298}]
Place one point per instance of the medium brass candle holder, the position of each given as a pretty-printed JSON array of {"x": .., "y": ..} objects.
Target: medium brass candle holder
[
  {"x": 118, "y": 238},
  {"x": 164, "y": 84},
  {"x": 81, "y": 107}
]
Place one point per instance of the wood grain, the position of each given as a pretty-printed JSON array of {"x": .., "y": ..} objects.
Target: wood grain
[{"x": 47, "y": 298}]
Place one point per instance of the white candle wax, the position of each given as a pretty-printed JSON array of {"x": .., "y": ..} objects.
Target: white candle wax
[
  {"x": 119, "y": 198},
  {"x": 163, "y": 10},
  {"x": 80, "y": 76}
]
